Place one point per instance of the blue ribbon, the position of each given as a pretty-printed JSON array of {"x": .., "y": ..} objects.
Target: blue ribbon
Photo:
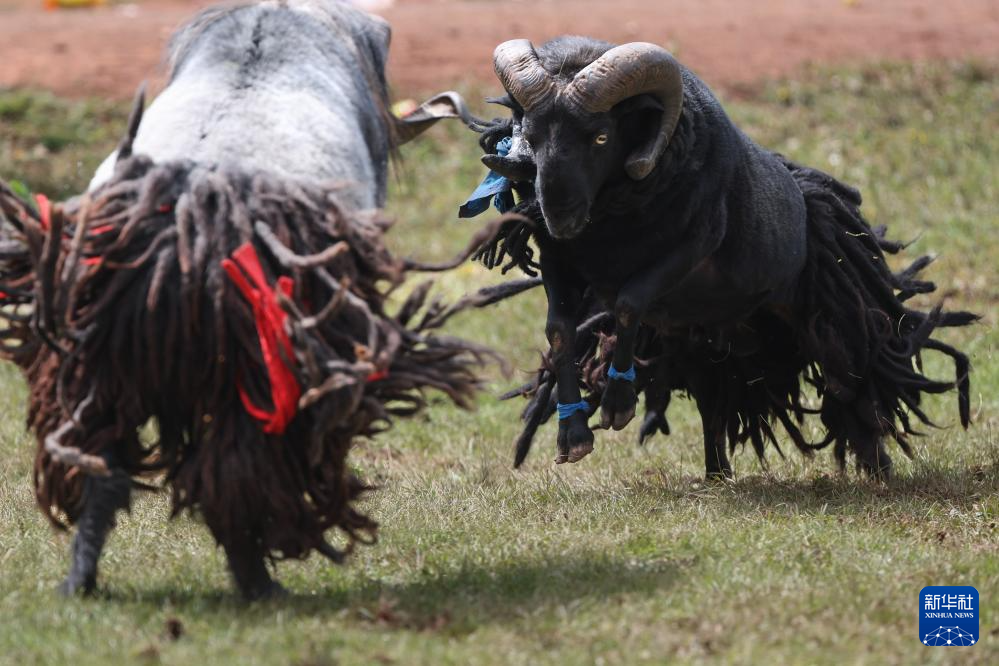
[
  {"x": 628, "y": 376},
  {"x": 493, "y": 186},
  {"x": 565, "y": 411}
]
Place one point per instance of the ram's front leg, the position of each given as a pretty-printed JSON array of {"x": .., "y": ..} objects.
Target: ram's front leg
[
  {"x": 617, "y": 407},
  {"x": 102, "y": 498},
  {"x": 575, "y": 439}
]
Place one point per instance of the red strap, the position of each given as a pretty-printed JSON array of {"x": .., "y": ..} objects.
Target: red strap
[
  {"x": 245, "y": 271},
  {"x": 97, "y": 231},
  {"x": 377, "y": 374},
  {"x": 44, "y": 210}
]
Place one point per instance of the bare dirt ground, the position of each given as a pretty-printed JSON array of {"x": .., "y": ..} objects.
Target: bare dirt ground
[{"x": 437, "y": 43}]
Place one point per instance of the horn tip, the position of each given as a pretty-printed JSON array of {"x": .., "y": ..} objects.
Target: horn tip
[{"x": 640, "y": 168}]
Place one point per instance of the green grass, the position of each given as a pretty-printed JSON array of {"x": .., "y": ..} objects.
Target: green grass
[
  {"x": 53, "y": 144},
  {"x": 626, "y": 557}
]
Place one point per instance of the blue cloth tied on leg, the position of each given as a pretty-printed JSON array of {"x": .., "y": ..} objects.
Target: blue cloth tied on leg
[
  {"x": 565, "y": 411},
  {"x": 628, "y": 375},
  {"x": 493, "y": 186}
]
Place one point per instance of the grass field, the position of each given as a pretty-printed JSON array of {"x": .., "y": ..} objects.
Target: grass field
[{"x": 626, "y": 557}]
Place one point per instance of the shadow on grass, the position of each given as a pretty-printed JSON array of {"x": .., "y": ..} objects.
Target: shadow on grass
[
  {"x": 849, "y": 492},
  {"x": 454, "y": 602}
]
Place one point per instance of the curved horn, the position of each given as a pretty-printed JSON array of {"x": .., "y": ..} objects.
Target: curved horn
[
  {"x": 623, "y": 72},
  {"x": 518, "y": 68}
]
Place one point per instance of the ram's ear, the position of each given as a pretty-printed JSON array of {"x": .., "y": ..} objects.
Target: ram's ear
[
  {"x": 639, "y": 118},
  {"x": 506, "y": 100},
  {"x": 443, "y": 105},
  {"x": 509, "y": 102},
  {"x": 376, "y": 39}
]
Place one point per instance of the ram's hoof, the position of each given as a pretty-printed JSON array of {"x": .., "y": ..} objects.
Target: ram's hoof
[
  {"x": 617, "y": 407},
  {"x": 616, "y": 420},
  {"x": 575, "y": 439},
  {"x": 271, "y": 590},
  {"x": 580, "y": 451},
  {"x": 654, "y": 422},
  {"x": 720, "y": 476},
  {"x": 75, "y": 586},
  {"x": 879, "y": 469}
]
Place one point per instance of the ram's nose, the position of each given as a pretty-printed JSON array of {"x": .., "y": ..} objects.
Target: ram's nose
[{"x": 567, "y": 222}]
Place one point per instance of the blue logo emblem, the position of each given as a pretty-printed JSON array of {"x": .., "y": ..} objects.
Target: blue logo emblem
[{"x": 948, "y": 615}]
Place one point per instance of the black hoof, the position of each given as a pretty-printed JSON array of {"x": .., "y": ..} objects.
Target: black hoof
[
  {"x": 271, "y": 590},
  {"x": 878, "y": 470},
  {"x": 77, "y": 586},
  {"x": 575, "y": 439},
  {"x": 654, "y": 422},
  {"x": 718, "y": 476},
  {"x": 617, "y": 406}
]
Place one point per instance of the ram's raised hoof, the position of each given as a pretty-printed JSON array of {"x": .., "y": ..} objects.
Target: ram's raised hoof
[
  {"x": 577, "y": 453},
  {"x": 617, "y": 407},
  {"x": 654, "y": 422},
  {"x": 575, "y": 439}
]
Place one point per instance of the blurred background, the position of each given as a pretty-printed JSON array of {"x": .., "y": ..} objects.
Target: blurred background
[{"x": 732, "y": 44}]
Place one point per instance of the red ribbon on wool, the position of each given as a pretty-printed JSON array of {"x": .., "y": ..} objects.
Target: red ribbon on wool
[
  {"x": 377, "y": 375},
  {"x": 97, "y": 231},
  {"x": 245, "y": 271},
  {"x": 44, "y": 211}
]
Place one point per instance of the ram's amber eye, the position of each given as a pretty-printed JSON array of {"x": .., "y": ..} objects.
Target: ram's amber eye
[{"x": 600, "y": 139}]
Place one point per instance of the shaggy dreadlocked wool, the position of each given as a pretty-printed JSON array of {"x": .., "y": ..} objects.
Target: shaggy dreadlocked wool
[
  {"x": 851, "y": 336},
  {"x": 120, "y": 312}
]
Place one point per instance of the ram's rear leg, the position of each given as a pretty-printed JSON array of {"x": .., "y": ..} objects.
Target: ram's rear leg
[
  {"x": 235, "y": 527},
  {"x": 716, "y": 464},
  {"x": 248, "y": 565},
  {"x": 868, "y": 440},
  {"x": 103, "y": 496},
  {"x": 873, "y": 458},
  {"x": 859, "y": 425},
  {"x": 575, "y": 439}
]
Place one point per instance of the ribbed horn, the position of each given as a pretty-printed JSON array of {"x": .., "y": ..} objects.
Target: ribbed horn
[
  {"x": 623, "y": 72},
  {"x": 518, "y": 68}
]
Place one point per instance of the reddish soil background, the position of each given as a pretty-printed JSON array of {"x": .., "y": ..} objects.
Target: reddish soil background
[{"x": 732, "y": 44}]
